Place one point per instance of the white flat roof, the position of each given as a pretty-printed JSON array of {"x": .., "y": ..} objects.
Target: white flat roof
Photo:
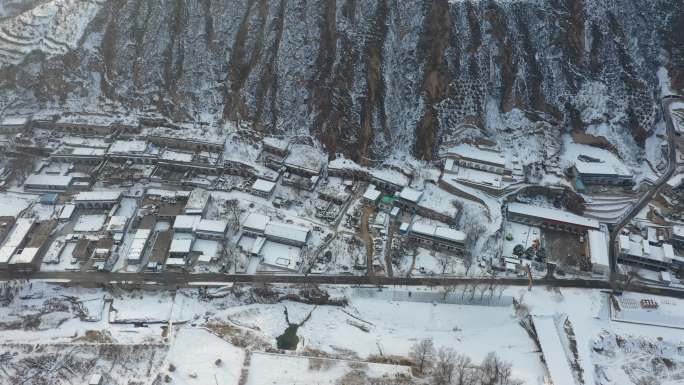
[
  {"x": 437, "y": 232},
  {"x": 598, "y": 247},
  {"x": 117, "y": 223},
  {"x": 176, "y": 156},
  {"x": 552, "y": 214},
  {"x": 601, "y": 168},
  {"x": 48, "y": 180},
  {"x": 390, "y": 176},
  {"x": 197, "y": 200},
  {"x": 275, "y": 143},
  {"x": 26, "y": 256},
  {"x": 67, "y": 211},
  {"x": 410, "y": 194},
  {"x": 287, "y": 231},
  {"x": 128, "y": 146},
  {"x": 281, "y": 256},
  {"x": 263, "y": 186},
  {"x": 475, "y": 153},
  {"x": 212, "y": 226},
  {"x": 678, "y": 231},
  {"x": 138, "y": 244},
  {"x": 87, "y": 151},
  {"x": 15, "y": 238},
  {"x": 90, "y": 222},
  {"x": 90, "y": 196},
  {"x": 256, "y": 222},
  {"x": 175, "y": 262},
  {"x": 185, "y": 221},
  {"x": 180, "y": 245},
  {"x": 371, "y": 193}
]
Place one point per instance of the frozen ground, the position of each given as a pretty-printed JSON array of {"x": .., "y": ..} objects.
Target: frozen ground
[
  {"x": 11, "y": 204},
  {"x": 298, "y": 370},
  {"x": 73, "y": 325}
]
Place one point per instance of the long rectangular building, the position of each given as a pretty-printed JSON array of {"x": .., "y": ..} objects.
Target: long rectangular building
[
  {"x": 15, "y": 240},
  {"x": 550, "y": 218},
  {"x": 437, "y": 236}
]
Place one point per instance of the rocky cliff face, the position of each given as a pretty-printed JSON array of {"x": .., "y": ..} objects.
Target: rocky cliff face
[{"x": 371, "y": 79}]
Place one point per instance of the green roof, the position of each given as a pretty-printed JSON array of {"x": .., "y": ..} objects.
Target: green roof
[{"x": 387, "y": 199}]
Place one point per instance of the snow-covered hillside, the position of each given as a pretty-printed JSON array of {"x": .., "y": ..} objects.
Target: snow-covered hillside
[{"x": 370, "y": 79}]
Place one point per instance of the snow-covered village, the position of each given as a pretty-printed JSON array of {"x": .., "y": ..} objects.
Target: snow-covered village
[{"x": 343, "y": 193}]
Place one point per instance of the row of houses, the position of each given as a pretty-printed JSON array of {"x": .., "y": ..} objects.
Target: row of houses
[
  {"x": 387, "y": 179},
  {"x": 24, "y": 243},
  {"x": 597, "y": 240},
  {"x": 276, "y": 245}
]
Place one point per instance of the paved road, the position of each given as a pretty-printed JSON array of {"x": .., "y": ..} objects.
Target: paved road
[
  {"x": 173, "y": 279},
  {"x": 646, "y": 197}
]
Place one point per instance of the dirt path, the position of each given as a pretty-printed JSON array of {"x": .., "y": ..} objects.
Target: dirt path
[
  {"x": 367, "y": 239},
  {"x": 388, "y": 249}
]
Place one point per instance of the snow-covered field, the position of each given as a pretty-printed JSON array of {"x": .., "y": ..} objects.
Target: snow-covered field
[{"x": 245, "y": 322}]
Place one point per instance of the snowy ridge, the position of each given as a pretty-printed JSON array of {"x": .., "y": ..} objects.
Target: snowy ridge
[{"x": 53, "y": 28}]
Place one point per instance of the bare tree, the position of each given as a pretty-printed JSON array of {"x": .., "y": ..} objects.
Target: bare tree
[
  {"x": 473, "y": 289},
  {"x": 445, "y": 367},
  {"x": 467, "y": 262},
  {"x": 494, "y": 371},
  {"x": 464, "y": 290},
  {"x": 233, "y": 207},
  {"x": 422, "y": 354},
  {"x": 464, "y": 371},
  {"x": 444, "y": 261}
]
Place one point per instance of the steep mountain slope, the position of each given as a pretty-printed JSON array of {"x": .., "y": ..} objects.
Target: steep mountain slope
[{"x": 371, "y": 79}]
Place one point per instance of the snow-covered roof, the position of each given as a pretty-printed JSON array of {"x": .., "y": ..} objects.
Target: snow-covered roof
[
  {"x": 287, "y": 231},
  {"x": 410, "y": 194},
  {"x": 440, "y": 232},
  {"x": 90, "y": 222},
  {"x": 86, "y": 151},
  {"x": 553, "y": 350},
  {"x": 117, "y": 223},
  {"x": 371, "y": 193},
  {"x": 678, "y": 231},
  {"x": 181, "y": 245},
  {"x": 263, "y": 186},
  {"x": 608, "y": 163},
  {"x": 281, "y": 256},
  {"x": 601, "y": 168},
  {"x": 668, "y": 252},
  {"x": 67, "y": 211},
  {"x": 127, "y": 147},
  {"x": 676, "y": 180},
  {"x": 341, "y": 163},
  {"x": 97, "y": 196},
  {"x": 185, "y": 222},
  {"x": 197, "y": 201},
  {"x": 13, "y": 120},
  {"x": 15, "y": 238},
  {"x": 637, "y": 246},
  {"x": 439, "y": 200},
  {"x": 479, "y": 177},
  {"x": 218, "y": 226},
  {"x": 48, "y": 180},
  {"x": 598, "y": 248},
  {"x": 175, "y": 262},
  {"x": 390, "y": 176},
  {"x": 26, "y": 255},
  {"x": 305, "y": 157},
  {"x": 478, "y": 154},
  {"x": 256, "y": 222},
  {"x": 176, "y": 156},
  {"x": 138, "y": 244},
  {"x": 552, "y": 214},
  {"x": 276, "y": 143}
]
